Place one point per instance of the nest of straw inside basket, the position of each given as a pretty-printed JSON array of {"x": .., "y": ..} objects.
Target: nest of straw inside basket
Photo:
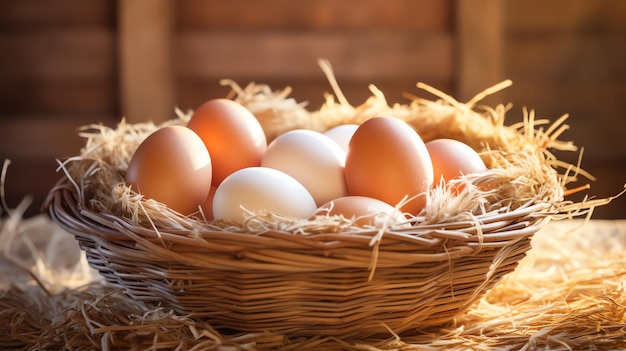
[{"x": 522, "y": 167}]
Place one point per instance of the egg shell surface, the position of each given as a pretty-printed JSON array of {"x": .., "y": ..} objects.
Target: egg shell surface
[
  {"x": 342, "y": 134},
  {"x": 387, "y": 160},
  {"x": 452, "y": 158},
  {"x": 261, "y": 189},
  {"x": 313, "y": 159},
  {"x": 364, "y": 210},
  {"x": 172, "y": 166},
  {"x": 232, "y": 135}
]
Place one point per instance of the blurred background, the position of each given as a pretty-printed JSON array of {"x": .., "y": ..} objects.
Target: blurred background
[{"x": 69, "y": 63}]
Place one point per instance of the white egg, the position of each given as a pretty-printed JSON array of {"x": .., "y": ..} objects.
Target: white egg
[
  {"x": 313, "y": 159},
  {"x": 261, "y": 189},
  {"x": 342, "y": 134}
]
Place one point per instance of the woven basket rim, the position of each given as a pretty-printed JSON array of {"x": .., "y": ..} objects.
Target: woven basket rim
[{"x": 421, "y": 243}]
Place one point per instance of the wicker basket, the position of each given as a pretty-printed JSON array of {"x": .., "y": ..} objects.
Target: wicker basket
[{"x": 352, "y": 282}]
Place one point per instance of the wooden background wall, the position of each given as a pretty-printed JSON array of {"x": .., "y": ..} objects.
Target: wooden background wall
[{"x": 68, "y": 63}]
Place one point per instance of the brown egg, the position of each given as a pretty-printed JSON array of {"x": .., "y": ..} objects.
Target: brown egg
[
  {"x": 452, "y": 158},
  {"x": 231, "y": 133},
  {"x": 387, "y": 160},
  {"x": 365, "y": 210},
  {"x": 172, "y": 166}
]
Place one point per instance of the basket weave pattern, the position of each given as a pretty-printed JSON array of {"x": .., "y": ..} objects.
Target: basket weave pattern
[{"x": 318, "y": 284}]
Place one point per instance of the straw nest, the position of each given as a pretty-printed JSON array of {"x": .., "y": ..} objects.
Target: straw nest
[{"x": 324, "y": 276}]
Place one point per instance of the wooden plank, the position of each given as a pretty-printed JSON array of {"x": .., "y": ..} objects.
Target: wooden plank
[
  {"x": 541, "y": 18},
  {"x": 57, "y": 54},
  {"x": 285, "y": 15},
  {"x": 146, "y": 89},
  {"x": 480, "y": 40},
  {"x": 37, "y": 137},
  {"x": 57, "y": 98},
  {"x": 58, "y": 71},
  {"x": 567, "y": 57},
  {"x": 32, "y": 14},
  {"x": 363, "y": 55}
]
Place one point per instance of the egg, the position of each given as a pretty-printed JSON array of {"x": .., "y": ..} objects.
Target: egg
[
  {"x": 232, "y": 135},
  {"x": 261, "y": 189},
  {"x": 452, "y": 158},
  {"x": 363, "y": 210},
  {"x": 313, "y": 159},
  {"x": 387, "y": 160},
  {"x": 172, "y": 166},
  {"x": 342, "y": 134}
]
